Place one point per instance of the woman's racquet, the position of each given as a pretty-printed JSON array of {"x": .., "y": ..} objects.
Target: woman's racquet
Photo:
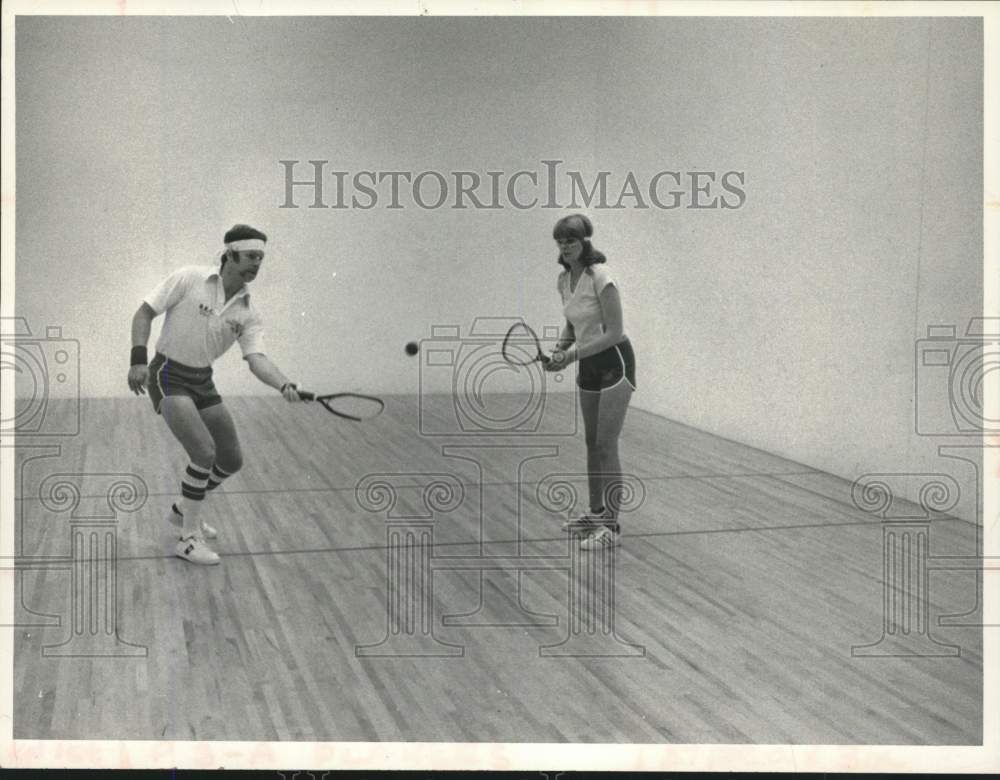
[
  {"x": 521, "y": 346},
  {"x": 351, "y": 406}
]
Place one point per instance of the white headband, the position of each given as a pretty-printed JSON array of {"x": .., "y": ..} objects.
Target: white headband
[{"x": 245, "y": 245}]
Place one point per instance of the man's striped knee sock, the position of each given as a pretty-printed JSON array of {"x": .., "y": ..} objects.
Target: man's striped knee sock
[
  {"x": 193, "y": 487},
  {"x": 217, "y": 477}
]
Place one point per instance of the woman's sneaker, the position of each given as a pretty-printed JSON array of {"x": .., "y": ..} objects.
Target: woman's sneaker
[
  {"x": 176, "y": 517},
  {"x": 195, "y": 550},
  {"x": 587, "y": 521},
  {"x": 601, "y": 538}
]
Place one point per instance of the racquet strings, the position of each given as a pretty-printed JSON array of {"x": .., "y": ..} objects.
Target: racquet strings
[
  {"x": 359, "y": 407},
  {"x": 521, "y": 346}
]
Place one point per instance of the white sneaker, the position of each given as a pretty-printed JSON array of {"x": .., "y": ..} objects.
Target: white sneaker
[
  {"x": 176, "y": 517},
  {"x": 584, "y": 522},
  {"x": 602, "y": 537},
  {"x": 195, "y": 550}
]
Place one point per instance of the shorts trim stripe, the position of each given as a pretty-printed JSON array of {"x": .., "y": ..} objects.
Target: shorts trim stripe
[
  {"x": 624, "y": 378},
  {"x": 159, "y": 383}
]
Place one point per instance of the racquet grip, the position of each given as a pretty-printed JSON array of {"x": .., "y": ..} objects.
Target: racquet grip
[{"x": 306, "y": 396}]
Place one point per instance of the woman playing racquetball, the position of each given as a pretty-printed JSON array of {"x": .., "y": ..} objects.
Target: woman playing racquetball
[{"x": 594, "y": 335}]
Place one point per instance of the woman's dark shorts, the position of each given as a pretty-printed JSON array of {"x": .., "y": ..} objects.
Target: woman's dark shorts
[{"x": 608, "y": 368}]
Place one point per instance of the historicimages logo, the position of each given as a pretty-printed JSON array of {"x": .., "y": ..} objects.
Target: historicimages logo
[{"x": 316, "y": 184}]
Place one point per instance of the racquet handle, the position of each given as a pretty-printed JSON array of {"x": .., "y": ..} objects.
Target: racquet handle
[{"x": 306, "y": 396}]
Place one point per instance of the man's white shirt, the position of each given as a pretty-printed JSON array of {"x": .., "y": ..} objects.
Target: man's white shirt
[{"x": 200, "y": 325}]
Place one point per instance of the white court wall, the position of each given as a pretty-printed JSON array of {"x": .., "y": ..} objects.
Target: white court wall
[
  {"x": 789, "y": 323},
  {"x": 792, "y": 324}
]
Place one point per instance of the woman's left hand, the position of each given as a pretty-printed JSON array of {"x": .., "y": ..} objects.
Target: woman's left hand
[{"x": 559, "y": 360}]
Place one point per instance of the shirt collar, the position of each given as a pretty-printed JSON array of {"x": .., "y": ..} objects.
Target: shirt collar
[{"x": 216, "y": 271}]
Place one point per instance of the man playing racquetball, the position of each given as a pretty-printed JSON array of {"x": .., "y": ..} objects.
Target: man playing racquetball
[{"x": 207, "y": 310}]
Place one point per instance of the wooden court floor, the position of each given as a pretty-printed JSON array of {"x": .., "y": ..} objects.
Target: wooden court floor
[{"x": 742, "y": 584}]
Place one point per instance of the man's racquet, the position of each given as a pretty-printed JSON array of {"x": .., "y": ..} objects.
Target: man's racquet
[
  {"x": 351, "y": 406},
  {"x": 521, "y": 346}
]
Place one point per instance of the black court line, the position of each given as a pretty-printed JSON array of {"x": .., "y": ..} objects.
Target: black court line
[
  {"x": 51, "y": 561},
  {"x": 581, "y": 477}
]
